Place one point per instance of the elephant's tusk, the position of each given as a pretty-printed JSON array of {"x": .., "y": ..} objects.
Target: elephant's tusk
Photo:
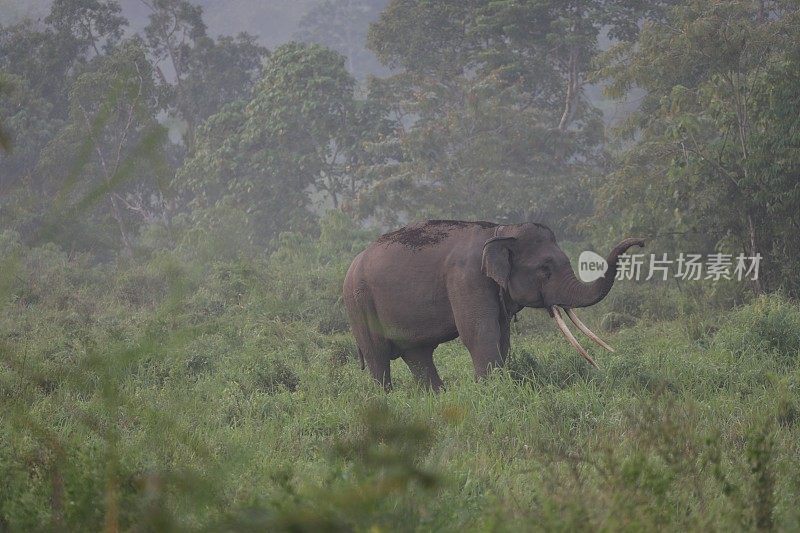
[
  {"x": 556, "y": 314},
  {"x": 585, "y": 329}
]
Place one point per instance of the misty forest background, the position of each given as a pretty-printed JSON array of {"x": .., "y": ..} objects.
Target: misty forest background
[{"x": 184, "y": 184}]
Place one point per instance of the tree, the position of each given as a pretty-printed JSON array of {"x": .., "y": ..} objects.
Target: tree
[
  {"x": 299, "y": 138},
  {"x": 46, "y": 55},
  {"x": 219, "y": 72},
  {"x": 713, "y": 155},
  {"x": 175, "y": 27},
  {"x": 91, "y": 23},
  {"x": 41, "y": 57},
  {"x": 26, "y": 117},
  {"x": 44, "y": 64},
  {"x": 5, "y": 143},
  {"x": 203, "y": 74},
  {"x": 38, "y": 63},
  {"x": 495, "y": 123},
  {"x": 111, "y": 145}
]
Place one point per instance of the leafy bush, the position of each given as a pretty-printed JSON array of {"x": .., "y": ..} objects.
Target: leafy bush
[
  {"x": 306, "y": 274},
  {"x": 770, "y": 326}
]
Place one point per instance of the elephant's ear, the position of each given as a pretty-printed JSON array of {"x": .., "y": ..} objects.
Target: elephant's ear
[{"x": 496, "y": 261}]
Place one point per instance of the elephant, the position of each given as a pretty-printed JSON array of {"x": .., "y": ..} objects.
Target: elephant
[{"x": 430, "y": 282}]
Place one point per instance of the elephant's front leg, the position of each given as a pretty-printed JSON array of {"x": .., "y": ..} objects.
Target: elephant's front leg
[
  {"x": 487, "y": 339},
  {"x": 478, "y": 318}
]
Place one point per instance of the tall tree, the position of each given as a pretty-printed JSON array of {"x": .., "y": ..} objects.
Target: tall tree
[
  {"x": 46, "y": 54},
  {"x": 342, "y": 25},
  {"x": 93, "y": 24},
  {"x": 175, "y": 27},
  {"x": 300, "y": 136},
  {"x": 26, "y": 117},
  {"x": 713, "y": 149},
  {"x": 490, "y": 96},
  {"x": 5, "y": 143},
  {"x": 201, "y": 74},
  {"x": 39, "y": 62},
  {"x": 112, "y": 138},
  {"x": 219, "y": 72}
]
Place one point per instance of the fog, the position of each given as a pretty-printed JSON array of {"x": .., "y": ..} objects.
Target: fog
[{"x": 318, "y": 265}]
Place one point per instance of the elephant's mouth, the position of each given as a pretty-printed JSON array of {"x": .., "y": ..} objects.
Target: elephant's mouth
[{"x": 555, "y": 312}]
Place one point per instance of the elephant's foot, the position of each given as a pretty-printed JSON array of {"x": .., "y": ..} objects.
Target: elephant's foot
[{"x": 381, "y": 371}]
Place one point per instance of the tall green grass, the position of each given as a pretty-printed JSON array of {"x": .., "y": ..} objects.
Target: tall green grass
[{"x": 166, "y": 393}]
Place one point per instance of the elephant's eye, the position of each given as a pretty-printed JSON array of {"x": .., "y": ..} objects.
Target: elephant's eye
[{"x": 544, "y": 271}]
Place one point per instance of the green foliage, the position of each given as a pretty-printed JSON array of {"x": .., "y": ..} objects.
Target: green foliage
[
  {"x": 173, "y": 25},
  {"x": 111, "y": 134},
  {"x": 5, "y": 143},
  {"x": 306, "y": 274},
  {"x": 769, "y": 327},
  {"x": 208, "y": 73},
  {"x": 219, "y": 72},
  {"x": 85, "y": 113},
  {"x": 43, "y": 57},
  {"x": 177, "y": 394},
  {"x": 92, "y": 23},
  {"x": 494, "y": 122},
  {"x": 714, "y": 160},
  {"x": 36, "y": 65},
  {"x": 27, "y": 119},
  {"x": 301, "y": 133}
]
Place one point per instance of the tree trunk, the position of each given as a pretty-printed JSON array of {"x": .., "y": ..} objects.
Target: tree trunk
[{"x": 753, "y": 251}]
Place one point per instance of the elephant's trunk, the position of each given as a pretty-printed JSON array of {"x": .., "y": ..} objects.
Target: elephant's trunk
[{"x": 574, "y": 293}]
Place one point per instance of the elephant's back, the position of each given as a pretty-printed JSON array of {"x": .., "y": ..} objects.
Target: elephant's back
[
  {"x": 419, "y": 254},
  {"x": 429, "y": 235}
]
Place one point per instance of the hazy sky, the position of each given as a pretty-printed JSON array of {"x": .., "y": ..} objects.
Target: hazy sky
[{"x": 273, "y": 21}]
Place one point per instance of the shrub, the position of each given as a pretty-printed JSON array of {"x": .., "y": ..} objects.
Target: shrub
[
  {"x": 305, "y": 274},
  {"x": 768, "y": 326}
]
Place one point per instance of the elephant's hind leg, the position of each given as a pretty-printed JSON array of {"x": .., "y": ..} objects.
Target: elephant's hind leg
[
  {"x": 379, "y": 367},
  {"x": 374, "y": 349},
  {"x": 420, "y": 362},
  {"x": 376, "y": 352}
]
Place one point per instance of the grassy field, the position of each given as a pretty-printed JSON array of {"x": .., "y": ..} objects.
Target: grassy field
[{"x": 161, "y": 395}]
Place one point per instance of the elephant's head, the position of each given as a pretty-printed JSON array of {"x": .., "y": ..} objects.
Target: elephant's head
[{"x": 525, "y": 261}]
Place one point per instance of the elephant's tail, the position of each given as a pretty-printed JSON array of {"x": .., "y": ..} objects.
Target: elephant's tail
[{"x": 361, "y": 358}]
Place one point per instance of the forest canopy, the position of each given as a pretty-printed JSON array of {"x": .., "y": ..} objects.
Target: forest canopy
[{"x": 481, "y": 110}]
